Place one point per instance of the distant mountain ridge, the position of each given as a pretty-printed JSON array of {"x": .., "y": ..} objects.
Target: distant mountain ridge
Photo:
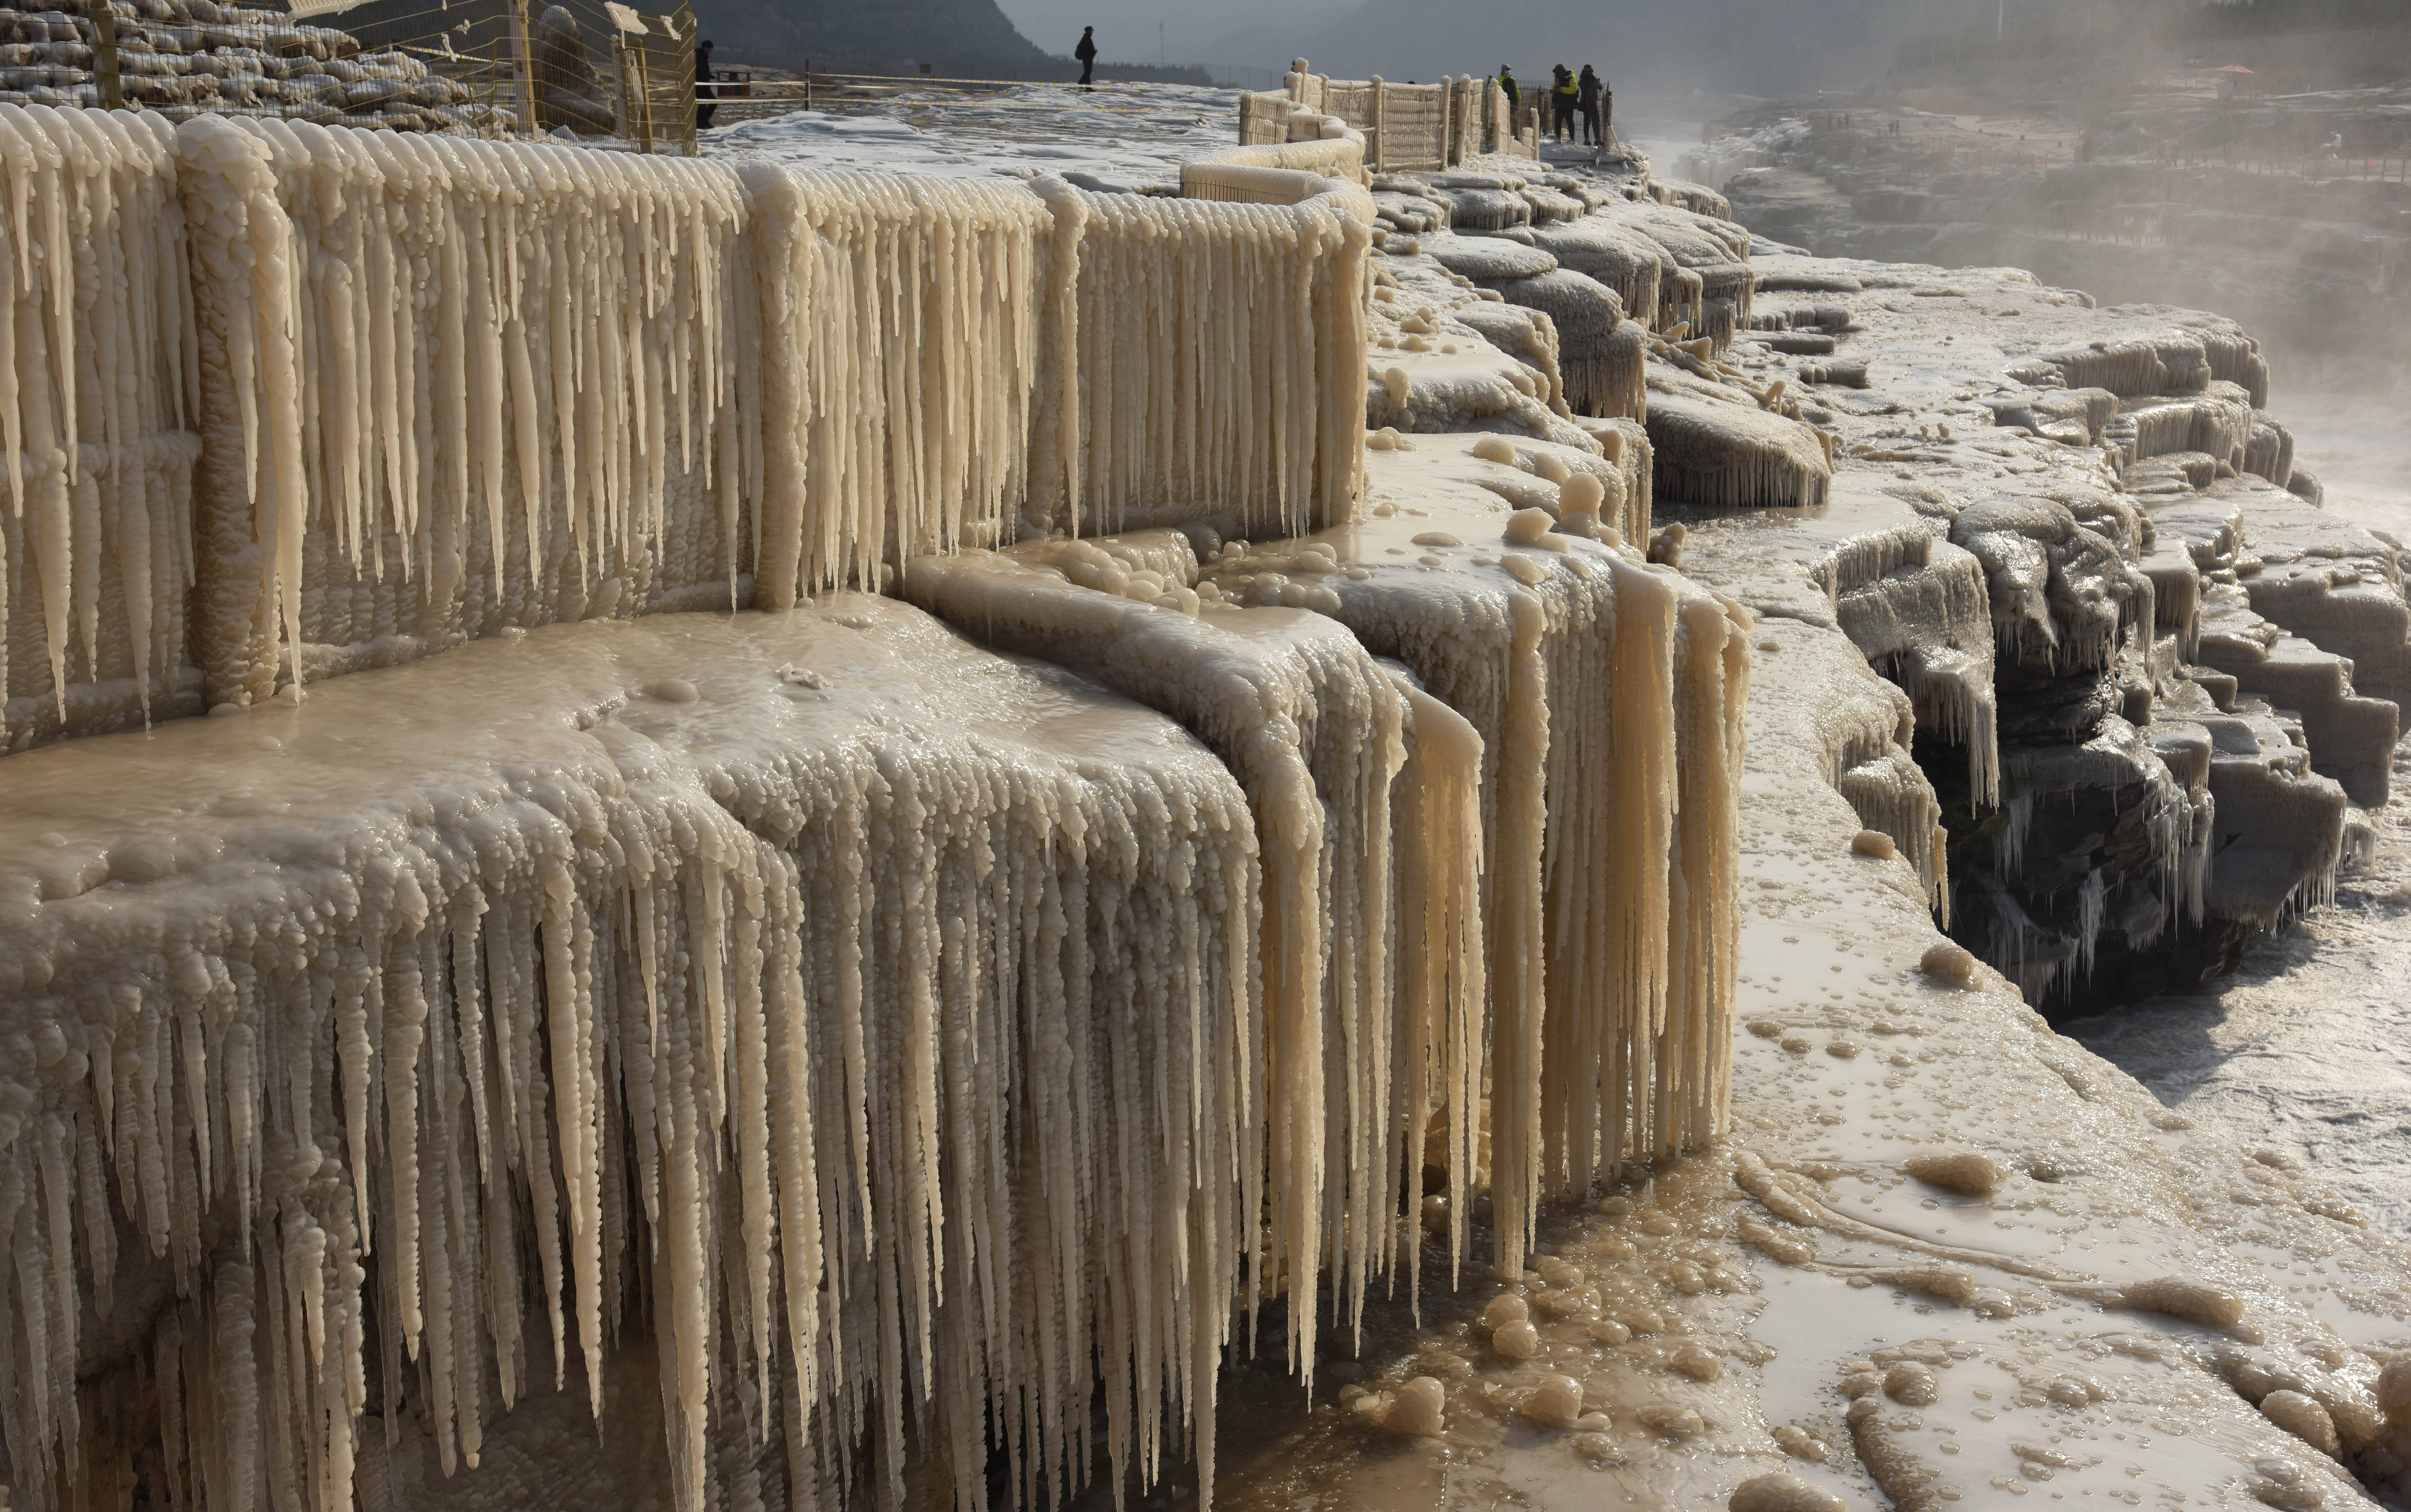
[{"x": 890, "y": 34}]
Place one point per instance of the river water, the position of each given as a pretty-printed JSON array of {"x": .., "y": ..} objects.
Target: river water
[{"x": 2307, "y": 1048}]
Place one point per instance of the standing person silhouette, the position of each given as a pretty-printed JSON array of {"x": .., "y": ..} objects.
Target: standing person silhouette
[
  {"x": 1515, "y": 95},
  {"x": 707, "y": 95},
  {"x": 1588, "y": 105},
  {"x": 1087, "y": 53},
  {"x": 1564, "y": 93}
]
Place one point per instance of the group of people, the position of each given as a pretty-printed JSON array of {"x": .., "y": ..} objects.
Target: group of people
[{"x": 1572, "y": 102}]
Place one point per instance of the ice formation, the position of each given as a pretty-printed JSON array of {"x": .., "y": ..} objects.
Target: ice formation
[
  {"x": 97, "y": 548},
  {"x": 430, "y": 394},
  {"x": 1372, "y": 964},
  {"x": 731, "y": 945},
  {"x": 435, "y": 468},
  {"x": 637, "y": 387},
  {"x": 894, "y": 1047},
  {"x": 1606, "y": 1005},
  {"x": 1257, "y": 411},
  {"x": 384, "y": 478}
]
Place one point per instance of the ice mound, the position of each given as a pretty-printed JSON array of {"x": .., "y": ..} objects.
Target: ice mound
[{"x": 676, "y": 965}]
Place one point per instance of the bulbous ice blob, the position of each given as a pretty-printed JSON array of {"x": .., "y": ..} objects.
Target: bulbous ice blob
[
  {"x": 1395, "y": 382},
  {"x": 1496, "y": 449},
  {"x": 1801, "y": 1444},
  {"x": 1504, "y": 1310},
  {"x": 1516, "y": 1340},
  {"x": 1949, "y": 963},
  {"x": 1555, "y": 1402},
  {"x": 1581, "y": 491},
  {"x": 2195, "y": 1301},
  {"x": 1697, "y": 1364},
  {"x": 1874, "y": 843},
  {"x": 1416, "y": 1410},
  {"x": 1554, "y": 470},
  {"x": 1912, "y": 1385},
  {"x": 1558, "y": 1272},
  {"x": 1946, "y": 1282},
  {"x": 1526, "y": 526},
  {"x": 2394, "y": 1391},
  {"x": 1671, "y": 1419},
  {"x": 1965, "y": 1172},
  {"x": 1784, "y": 1248},
  {"x": 1784, "y": 1492},
  {"x": 2069, "y": 1391},
  {"x": 2302, "y": 1417}
]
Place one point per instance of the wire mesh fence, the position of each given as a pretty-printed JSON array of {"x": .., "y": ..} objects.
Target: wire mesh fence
[{"x": 594, "y": 68}]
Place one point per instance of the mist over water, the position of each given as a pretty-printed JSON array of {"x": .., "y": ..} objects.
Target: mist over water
[{"x": 2353, "y": 434}]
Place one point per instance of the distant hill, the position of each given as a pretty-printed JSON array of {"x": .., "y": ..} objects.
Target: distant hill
[{"x": 951, "y": 34}]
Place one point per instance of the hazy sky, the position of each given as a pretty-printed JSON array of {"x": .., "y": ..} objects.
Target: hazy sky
[
  {"x": 1775, "y": 47},
  {"x": 1126, "y": 29}
]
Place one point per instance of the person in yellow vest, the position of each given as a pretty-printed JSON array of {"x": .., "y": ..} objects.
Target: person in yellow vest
[
  {"x": 1507, "y": 87},
  {"x": 1563, "y": 97}
]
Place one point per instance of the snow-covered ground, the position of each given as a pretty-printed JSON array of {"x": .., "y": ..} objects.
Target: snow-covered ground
[{"x": 1127, "y": 135}]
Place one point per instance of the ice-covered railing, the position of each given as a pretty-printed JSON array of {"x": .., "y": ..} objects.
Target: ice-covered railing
[
  {"x": 1290, "y": 165},
  {"x": 1407, "y": 126},
  {"x": 451, "y": 386},
  {"x": 97, "y": 549},
  {"x": 641, "y": 383},
  {"x": 1258, "y": 400}
]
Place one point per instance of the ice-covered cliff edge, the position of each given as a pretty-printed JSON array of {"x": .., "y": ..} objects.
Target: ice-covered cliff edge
[
  {"x": 1946, "y": 1254},
  {"x": 872, "y": 1067}
]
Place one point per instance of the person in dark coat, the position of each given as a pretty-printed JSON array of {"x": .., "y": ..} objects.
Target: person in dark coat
[
  {"x": 1515, "y": 95},
  {"x": 1563, "y": 97},
  {"x": 707, "y": 93},
  {"x": 1087, "y": 53},
  {"x": 1588, "y": 104}
]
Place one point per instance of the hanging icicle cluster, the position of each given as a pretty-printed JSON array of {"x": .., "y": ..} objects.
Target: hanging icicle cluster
[
  {"x": 1372, "y": 964},
  {"x": 1220, "y": 354},
  {"x": 899, "y": 346},
  {"x": 95, "y": 532},
  {"x": 445, "y": 387},
  {"x": 896, "y": 1069},
  {"x": 912, "y": 1042},
  {"x": 449, "y": 383},
  {"x": 1734, "y": 455},
  {"x": 1608, "y": 698}
]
